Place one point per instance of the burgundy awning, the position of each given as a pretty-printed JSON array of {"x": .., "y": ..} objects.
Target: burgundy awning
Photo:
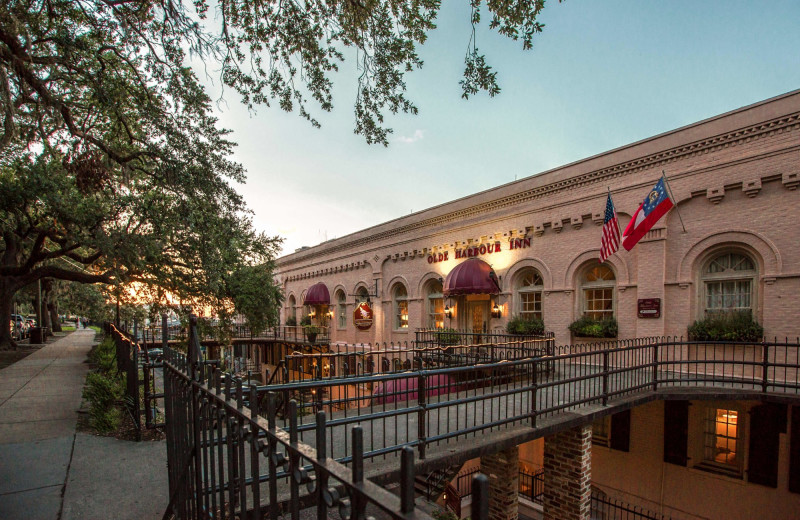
[
  {"x": 317, "y": 295},
  {"x": 473, "y": 276}
]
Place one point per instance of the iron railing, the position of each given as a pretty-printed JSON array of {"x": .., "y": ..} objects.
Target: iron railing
[
  {"x": 425, "y": 407},
  {"x": 142, "y": 394},
  {"x": 227, "y": 461},
  {"x": 604, "y": 508}
]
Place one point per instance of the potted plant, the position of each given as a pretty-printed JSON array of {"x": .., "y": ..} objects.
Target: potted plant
[
  {"x": 520, "y": 325},
  {"x": 589, "y": 327},
  {"x": 311, "y": 332},
  {"x": 733, "y": 326}
]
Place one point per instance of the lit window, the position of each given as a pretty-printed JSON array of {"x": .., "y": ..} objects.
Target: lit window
[
  {"x": 341, "y": 309},
  {"x": 529, "y": 294},
  {"x": 721, "y": 439},
  {"x": 728, "y": 282},
  {"x": 597, "y": 288},
  {"x": 435, "y": 305},
  {"x": 400, "y": 307}
]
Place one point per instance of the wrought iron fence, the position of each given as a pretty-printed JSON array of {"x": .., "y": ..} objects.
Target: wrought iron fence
[
  {"x": 227, "y": 461},
  {"x": 426, "y": 406},
  {"x": 141, "y": 393},
  {"x": 604, "y": 508},
  {"x": 531, "y": 484}
]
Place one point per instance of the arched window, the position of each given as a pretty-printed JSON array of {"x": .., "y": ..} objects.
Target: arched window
[
  {"x": 434, "y": 304},
  {"x": 400, "y": 304},
  {"x": 597, "y": 292},
  {"x": 728, "y": 282},
  {"x": 362, "y": 295},
  {"x": 341, "y": 309},
  {"x": 528, "y": 294},
  {"x": 291, "y": 309}
]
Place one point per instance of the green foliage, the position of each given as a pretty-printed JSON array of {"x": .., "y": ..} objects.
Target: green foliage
[
  {"x": 592, "y": 328},
  {"x": 305, "y": 320},
  {"x": 733, "y": 326},
  {"x": 448, "y": 337},
  {"x": 104, "y": 388},
  {"x": 443, "y": 514},
  {"x": 255, "y": 295},
  {"x": 526, "y": 326},
  {"x": 291, "y": 321}
]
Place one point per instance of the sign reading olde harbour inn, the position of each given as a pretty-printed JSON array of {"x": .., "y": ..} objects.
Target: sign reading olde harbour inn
[{"x": 483, "y": 249}]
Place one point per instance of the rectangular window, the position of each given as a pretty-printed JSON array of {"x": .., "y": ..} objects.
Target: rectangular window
[
  {"x": 401, "y": 320},
  {"x": 721, "y": 440},
  {"x": 436, "y": 313},
  {"x": 728, "y": 296},
  {"x": 601, "y": 431},
  {"x": 599, "y": 303},
  {"x": 530, "y": 304}
]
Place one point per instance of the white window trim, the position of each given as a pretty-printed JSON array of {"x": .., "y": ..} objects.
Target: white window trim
[
  {"x": 519, "y": 289},
  {"x": 583, "y": 286},
  {"x": 733, "y": 276}
]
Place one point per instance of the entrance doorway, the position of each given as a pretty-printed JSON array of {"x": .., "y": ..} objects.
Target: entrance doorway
[{"x": 477, "y": 316}]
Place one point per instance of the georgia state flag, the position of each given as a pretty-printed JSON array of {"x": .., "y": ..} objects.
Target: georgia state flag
[{"x": 655, "y": 205}]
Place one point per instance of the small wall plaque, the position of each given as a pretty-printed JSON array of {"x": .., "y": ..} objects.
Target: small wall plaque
[{"x": 650, "y": 307}]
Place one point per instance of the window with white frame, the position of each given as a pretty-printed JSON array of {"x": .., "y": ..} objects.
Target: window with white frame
[
  {"x": 597, "y": 292},
  {"x": 722, "y": 439},
  {"x": 434, "y": 303},
  {"x": 728, "y": 282},
  {"x": 341, "y": 309},
  {"x": 528, "y": 294},
  {"x": 400, "y": 301}
]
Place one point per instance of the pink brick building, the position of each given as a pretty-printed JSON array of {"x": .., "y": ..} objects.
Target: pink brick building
[{"x": 734, "y": 178}]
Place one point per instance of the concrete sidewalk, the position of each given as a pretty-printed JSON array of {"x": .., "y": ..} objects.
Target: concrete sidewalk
[{"x": 50, "y": 472}]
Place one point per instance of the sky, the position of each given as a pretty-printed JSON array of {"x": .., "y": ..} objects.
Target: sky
[{"x": 601, "y": 75}]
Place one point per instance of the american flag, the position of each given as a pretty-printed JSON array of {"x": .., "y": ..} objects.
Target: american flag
[{"x": 610, "y": 242}]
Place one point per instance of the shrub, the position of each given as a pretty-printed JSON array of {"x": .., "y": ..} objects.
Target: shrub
[
  {"x": 733, "y": 326},
  {"x": 103, "y": 391},
  {"x": 291, "y": 321},
  {"x": 592, "y": 328},
  {"x": 305, "y": 320},
  {"x": 104, "y": 356},
  {"x": 526, "y": 326},
  {"x": 448, "y": 337}
]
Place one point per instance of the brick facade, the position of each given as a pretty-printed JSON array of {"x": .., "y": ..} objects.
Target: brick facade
[
  {"x": 502, "y": 468},
  {"x": 734, "y": 178},
  {"x": 568, "y": 475}
]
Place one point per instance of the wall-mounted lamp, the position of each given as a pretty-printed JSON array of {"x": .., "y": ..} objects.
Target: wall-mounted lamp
[
  {"x": 329, "y": 314},
  {"x": 448, "y": 311},
  {"x": 311, "y": 314},
  {"x": 497, "y": 311}
]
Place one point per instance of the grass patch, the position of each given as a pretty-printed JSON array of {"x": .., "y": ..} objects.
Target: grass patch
[{"x": 67, "y": 328}]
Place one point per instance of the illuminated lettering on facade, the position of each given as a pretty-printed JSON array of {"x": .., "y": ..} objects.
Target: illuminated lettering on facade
[{"x": 483, "y": 249}]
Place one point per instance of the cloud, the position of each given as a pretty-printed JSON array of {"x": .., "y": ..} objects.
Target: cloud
[{"x": 418, "y": 135}]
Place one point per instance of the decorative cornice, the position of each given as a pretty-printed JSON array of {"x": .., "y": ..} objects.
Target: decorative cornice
[{"x": 653, "y": 161}]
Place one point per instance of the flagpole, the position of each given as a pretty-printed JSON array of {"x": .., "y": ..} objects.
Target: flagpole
[{"x": 669, "y": 189}]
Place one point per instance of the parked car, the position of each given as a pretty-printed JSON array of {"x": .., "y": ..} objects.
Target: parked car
[
  {"x": 21, "y": 327},
  {"x": 155, "y": 354},
  {"x": 31, "y": 321}
]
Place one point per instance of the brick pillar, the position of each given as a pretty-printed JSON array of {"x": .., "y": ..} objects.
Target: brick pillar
[
  {"x": 503, "y": 471},
  {"x": 568, "y": 474}
]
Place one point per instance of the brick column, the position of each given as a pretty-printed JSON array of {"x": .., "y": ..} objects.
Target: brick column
[
  {"x": 503, "y": 471},
  {"x": 568, "y": 474}
]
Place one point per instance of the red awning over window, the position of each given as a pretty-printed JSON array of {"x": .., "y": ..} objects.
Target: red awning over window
[
  {"x": 473, "y": 276},
  {"x": 317, "y": 295}
]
